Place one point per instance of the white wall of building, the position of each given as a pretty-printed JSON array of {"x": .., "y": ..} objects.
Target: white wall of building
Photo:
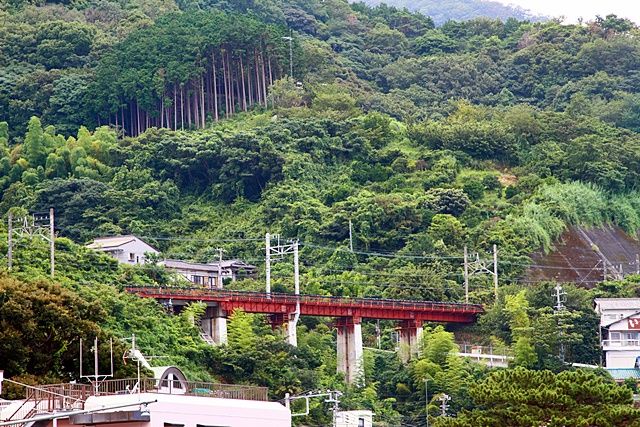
[
  {"x": 354, "y": 419},
  {"x": 620, "y": 331},
  {"x": 133, "y": 252},
  {"x": 191, "y": 411}
]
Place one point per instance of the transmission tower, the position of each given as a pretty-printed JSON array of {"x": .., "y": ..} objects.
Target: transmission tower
[
  {"x": 480, "y": 266},
  {"x": 560, "y": 298},
  {"x": 38, "y": 224},
  {"x": 276, "y": 253}
]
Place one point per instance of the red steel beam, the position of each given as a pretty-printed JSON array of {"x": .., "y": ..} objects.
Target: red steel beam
[{"x": 313, "y": 305}]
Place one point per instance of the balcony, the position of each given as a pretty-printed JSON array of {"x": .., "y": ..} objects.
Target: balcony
[{"x": 621, "y": 344}]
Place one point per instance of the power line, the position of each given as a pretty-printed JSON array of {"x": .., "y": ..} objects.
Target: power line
[{"x": 380, "y": 254}]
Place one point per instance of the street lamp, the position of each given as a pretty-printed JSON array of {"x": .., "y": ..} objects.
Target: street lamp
[
  {"x": 426, "y": 398},
  {"x": 289, "y": 38}
]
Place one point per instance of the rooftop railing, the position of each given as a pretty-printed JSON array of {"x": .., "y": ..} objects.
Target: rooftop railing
[{"x": 184, "y": 388}]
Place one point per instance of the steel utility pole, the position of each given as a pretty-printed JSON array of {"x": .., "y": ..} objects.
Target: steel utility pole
[
  {"x": 466, "y": 275},
  {"x": 52, "y": 242},
  {"x": 350, "y": 235},
  {"x": 10, "y": 242},
  {"x": 290, "y": 39},
  {"x": 267, "y": 239},
  {"x": 443, "y": 404},
  {"x": 40, "y": 225},
  {"x": 559, "y": 307},
  {"x": 480, "y": 266},
  {"x": 426, "y": 398},
  {"x": 495, "y": 271},
  {"x": 219, "y": 282}
]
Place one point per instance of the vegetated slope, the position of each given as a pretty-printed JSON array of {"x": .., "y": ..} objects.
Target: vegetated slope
[
  {"x": 461, "y": 10},
  {"x": 425, "y": 140}
]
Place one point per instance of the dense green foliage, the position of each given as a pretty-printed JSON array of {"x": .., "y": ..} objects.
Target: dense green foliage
[
  {"x": 178, "y": 121},
  {"x": 531, "y": 398},
  {"x": 459, "y": 10}
]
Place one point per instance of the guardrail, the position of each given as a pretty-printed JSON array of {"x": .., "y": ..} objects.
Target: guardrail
[
  {"x": 280, "y": 298},
  {"x": 485, "y": 350}
]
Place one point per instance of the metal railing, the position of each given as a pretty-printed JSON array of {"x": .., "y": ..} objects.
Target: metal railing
[
  {"x": 484, "y": 350},
  {"x": 49, "y": 398},
  {"x": 56, "y": 397},
  {"x": 621, "y": 343},
  {"x": 280, "y": 298},
  {"x": 185, "y": 388}
]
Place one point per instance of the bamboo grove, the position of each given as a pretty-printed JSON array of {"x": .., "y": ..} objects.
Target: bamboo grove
[{"x": 187, "y": 69}]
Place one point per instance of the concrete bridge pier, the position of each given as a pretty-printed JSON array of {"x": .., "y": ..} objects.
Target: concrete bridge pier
[
  {"x": 284, "y": 322},
  {"x": 214, "y": 325},
  {"x": 410, "y": 332},
  {"x": 349, "y": 349}
]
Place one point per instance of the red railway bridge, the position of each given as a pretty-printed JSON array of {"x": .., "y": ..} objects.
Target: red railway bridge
[{"x": 284, "y": 310}]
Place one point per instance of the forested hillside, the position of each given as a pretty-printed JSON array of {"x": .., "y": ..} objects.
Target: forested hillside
[
  {"x": 180, "y": 122},
  {"x": 460, "y": 10}
]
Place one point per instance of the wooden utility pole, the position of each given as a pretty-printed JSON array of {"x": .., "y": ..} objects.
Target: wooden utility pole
[{"x": 350, "y": 235}]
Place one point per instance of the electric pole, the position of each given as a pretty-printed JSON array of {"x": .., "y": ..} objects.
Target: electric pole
[
  {"x": 219, "y": 282},
  {"x": 52, "y": 244},
  {"x": 443, "y": 404},
  {"x": 350, "y": 235},
  {"x": 10, "y": 242},
  {"x": 40, "y": 225},
  {"x": 426, "y": 398},
  {"x": 279, "y": 251},
  {"x": 559, "y": 307},
  {"x": 466, "y": 275},
  {"x": 481, "y": 266},
  {"x": 495, "y": 271},
  {"x": 290, "y": 39},
  {"x": 267, "y": 239}
]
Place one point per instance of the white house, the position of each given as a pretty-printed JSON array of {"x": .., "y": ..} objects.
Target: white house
[
  {"x": 126, "y": 249},
  {"x": 620, "y": 331},
  {"x": 207, "y": 274},
  {"x": 361, "y": 418}
]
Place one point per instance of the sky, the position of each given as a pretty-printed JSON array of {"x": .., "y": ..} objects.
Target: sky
[{"x": 574, "y": 9}]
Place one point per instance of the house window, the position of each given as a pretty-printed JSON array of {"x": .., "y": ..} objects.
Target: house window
[
  {"x": 614, "y": 336},
  {"x": 132, "y": 256},
  {"x": 360, "y": 422},
  {"x": 197, "y": 279},
  {"x": 173, "y": 425}
]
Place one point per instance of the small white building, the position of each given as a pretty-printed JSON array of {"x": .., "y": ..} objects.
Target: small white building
[
  {"x": 620, "y": 331},
  {"x": 207, "y": 274},
  {"x": 126, "y": 249},
  {"x": 361, "y": 418}
]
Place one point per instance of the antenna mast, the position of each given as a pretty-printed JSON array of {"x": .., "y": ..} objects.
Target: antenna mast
[{"x": 96, "y": 378}]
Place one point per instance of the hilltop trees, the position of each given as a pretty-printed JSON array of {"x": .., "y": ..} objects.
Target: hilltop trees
[{"x": 187, "y": 68}]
